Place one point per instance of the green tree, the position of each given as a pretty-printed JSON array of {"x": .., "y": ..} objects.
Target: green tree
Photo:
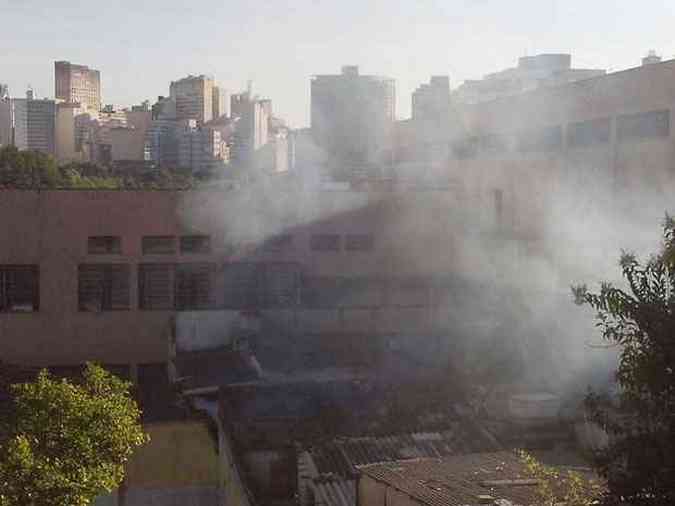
[
  {"x": 639, "y": 461},
  {"x": 67, "y": 442},
  {"x": 555, "y": 487}
]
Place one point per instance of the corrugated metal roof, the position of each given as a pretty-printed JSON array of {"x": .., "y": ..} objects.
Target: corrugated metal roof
[
  {"x": 331, "y": 468},
  {"x": 459, "y": 480},
  {"x": 334, "y": 492}
]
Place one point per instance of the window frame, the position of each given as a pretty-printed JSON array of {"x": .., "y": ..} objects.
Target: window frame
[
  {"x": 34, "y": 269},
  {"x": 114, "y": 248},
  {"x": 107, "y": 294},
  {"x": 315, "y": 243},
  {"x": 184, "y": 240},
  {"x": 145, "y": 247}
]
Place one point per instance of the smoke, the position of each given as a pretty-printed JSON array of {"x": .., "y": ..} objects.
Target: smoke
[{"x": 498, "y": 247}]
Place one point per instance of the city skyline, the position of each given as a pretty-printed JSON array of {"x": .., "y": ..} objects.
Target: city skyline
[{"x": 280, "y": 47}]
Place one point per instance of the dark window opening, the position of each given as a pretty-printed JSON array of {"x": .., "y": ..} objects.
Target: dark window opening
[
  {"x": 643, "y": 125},
  {"x": 155, "y": 286},
  {"x": 158, "y": 245},
  {"x": 195, "y": 244},
  {"x": 103, "y": 287},
  {"x": 278, "y": 243},
  {"x": 541, "y": 139},
  {"x": 359, "y": 242},
  {"x": 104, "y": 244},
  {"x": 587, "y": 133},
  {"x": 499, "y": 207},
  {"x": 19, "y": 288},
  {"x": 242, "y": 282},
  {"x": 193, "y": 286},
  {"x": 325, "y": 242}
]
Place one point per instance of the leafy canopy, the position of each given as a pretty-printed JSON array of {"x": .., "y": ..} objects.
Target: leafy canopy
[
  {"x": 639, "y": 462},
  {"x": 68, "y": 442}
]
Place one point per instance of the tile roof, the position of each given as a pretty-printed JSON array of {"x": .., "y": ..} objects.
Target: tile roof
[{"x": 459, "y": 480}]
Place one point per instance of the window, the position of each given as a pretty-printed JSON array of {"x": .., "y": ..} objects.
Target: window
[
  {"x": 104, "y": 245},
  {"x": 195, "y": 244},
  {"x": 325, "y": 242},
  {"x": 159, "y": 245},
  {"x": 193, "y": 286},
  {"x": 155, "y": 286},
  {"x": 587, "y": 133},
  {"x": 242, "y": 282},
  {"x": 541, "y": 139},
  {"x": 281, "y": 283},
  {"x": 499, "y": 207},
  {"x": 278, "y": 243},
  {"x": 643, "y": 125},
  {"x": 176, "y": 286},
  {"x": 359, "y": 242},
  {"x": 19, "y": 288},
  {"x": 103, "y": 287}
]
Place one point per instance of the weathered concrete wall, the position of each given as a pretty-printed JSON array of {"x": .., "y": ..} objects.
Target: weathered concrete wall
[{"x": 179, "y": 466}]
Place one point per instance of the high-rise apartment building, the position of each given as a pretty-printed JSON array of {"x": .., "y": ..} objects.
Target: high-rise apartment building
[
  {"x": 34, "y": 123},
  {"x": 201, "y": 149},
  {"x": 78, "y": 84},
  {"x": 431, "y": 102},
  {"x": 220, "y": 103},
  {"x": 352, "y": 116},
  {"x": 6, "y": 128},
  {"x": 252, "y": 125},
  {"x": 532, "y": 72},
  {"x": 194, "y": 98}
]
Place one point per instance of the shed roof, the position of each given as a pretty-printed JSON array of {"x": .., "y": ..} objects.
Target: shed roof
[{"x": 459, "y": 480}]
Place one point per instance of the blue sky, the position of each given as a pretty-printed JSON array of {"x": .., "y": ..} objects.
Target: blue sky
[{"x": 141, "y": 45}]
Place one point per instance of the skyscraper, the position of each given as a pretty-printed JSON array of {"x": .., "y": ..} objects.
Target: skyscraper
[
  {"x": 194, "y": 98},
  {"x": 34, "y": 123},
  {"x": 353, "y": 116},
  {"x": 78, "y": 84}
]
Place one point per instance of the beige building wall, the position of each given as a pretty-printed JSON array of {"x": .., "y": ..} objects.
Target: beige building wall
[{"x": 65, "y": 134}]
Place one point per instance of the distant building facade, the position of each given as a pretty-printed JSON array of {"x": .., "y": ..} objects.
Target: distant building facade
[
  {"x": 252, "y": 116},
  {"x": 201, "y": 149},
  {"x": 34, "y": 123},
  {"x": 532, "y": 72},
  {"x": 352, "y": 115},
  {"x": 78, "y": 84},
  {"x": 194, "y": 98},
  {"x": 431, "y": 102}
]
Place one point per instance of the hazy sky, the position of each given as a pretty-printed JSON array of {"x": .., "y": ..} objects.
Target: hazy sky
[{"x": 141, "y": 45}]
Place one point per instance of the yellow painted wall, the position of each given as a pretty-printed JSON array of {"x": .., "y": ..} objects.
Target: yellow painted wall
[{"x": 178, "y": 454}]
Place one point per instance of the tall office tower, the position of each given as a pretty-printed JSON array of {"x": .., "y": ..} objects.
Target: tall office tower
[
  {"x": 220, "y": 102},
  {"x": 252, "y": 127},
  {"x": 194, "y": 98},
  {"x": 352, "y": 116},
  {"x": 4, "y": 91},
  {"x": 34, "y": 123},
  {"x": 431, "y": 102},
  {"x": 78, "y": 84},
  {"x": 6, "y": 122}
]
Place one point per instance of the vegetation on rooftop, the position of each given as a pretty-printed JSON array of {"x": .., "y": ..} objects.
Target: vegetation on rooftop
[{"x": 33, "y": 170}]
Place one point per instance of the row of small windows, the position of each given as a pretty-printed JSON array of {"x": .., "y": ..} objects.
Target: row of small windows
[
  {"x": 150, "y": 245},
  {"x": 200, "y": 244},
  {"x": 629, "y": 127},
  {"x": 192, "y": 286}
]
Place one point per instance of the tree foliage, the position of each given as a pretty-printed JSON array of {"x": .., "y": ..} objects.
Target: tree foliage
[
  {"x": 68, "y": 441},
  {"x": 555, "y": 487},
  {"x": 639, "y": 462},
  {"x": 33, "y": 170}
]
